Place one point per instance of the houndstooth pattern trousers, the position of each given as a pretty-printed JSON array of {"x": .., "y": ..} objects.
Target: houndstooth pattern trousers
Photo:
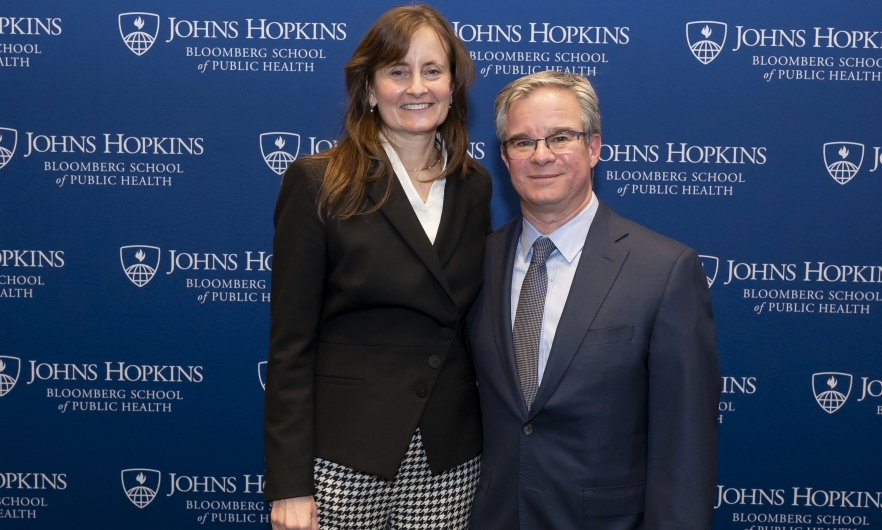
[{"x": 348, "y": 499}]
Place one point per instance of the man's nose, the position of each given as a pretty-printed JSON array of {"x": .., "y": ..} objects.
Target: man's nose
[{"x": 543, "y": 153}]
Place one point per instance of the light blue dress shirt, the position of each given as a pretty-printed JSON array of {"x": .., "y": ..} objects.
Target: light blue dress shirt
[{"x": 569, "y": 240}]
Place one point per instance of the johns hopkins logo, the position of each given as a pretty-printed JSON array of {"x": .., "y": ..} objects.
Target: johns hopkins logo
[
  {"x": 828, "y": 388},
  {"x": 141, "y": 485},
  {"x": 139, "y": 31},
  {"x": 261, "y": 374},
  {"x": 711, "y": 265},
  {"x": 706, "y": 39},
  {"x": 140, "y": 262},
  {"x": 9, "y": 370},
  {"x": 8, "y": 141},
  {"x": 279, "y": 149},
  {"x": 843, "y": 160}
]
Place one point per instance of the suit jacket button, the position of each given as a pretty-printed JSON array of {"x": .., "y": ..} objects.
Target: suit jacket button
[
  {"x": 434, "y": 361},
  {"x": 421, "y": 390},
  {"x": 447, "y": 333},
  {"x": 528, "y": 429}
]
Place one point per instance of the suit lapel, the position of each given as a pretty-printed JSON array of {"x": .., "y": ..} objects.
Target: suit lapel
[
  {"x": 598, "y": 268},
  {"x": 453, "y": 218},
  {"x": 399, "y": 212},
  {"x": 500, "y": 290}
]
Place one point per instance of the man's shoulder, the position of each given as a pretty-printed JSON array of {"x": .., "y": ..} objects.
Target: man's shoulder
[{"x": 641, "y": 242}]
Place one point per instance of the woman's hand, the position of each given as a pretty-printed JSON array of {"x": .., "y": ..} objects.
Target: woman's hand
[{"x": 298, "y": 513}]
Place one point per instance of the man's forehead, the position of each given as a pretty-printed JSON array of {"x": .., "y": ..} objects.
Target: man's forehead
[{"x": 544, "y": 111}]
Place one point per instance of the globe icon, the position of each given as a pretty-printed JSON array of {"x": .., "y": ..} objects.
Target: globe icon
[
  {"x": 279, "y": 161},
  {"x": 705, "y": 50},
  {"x": 141, "y": 496},
  {"x": 831, "y": 400},
  {"x": 842, "y": 171},
  {"x": 139, "y": 42},
  {"x": 6, "y": 384},
  {"x": 140, "y": 274},
  {"x": 5, "y": 155}
]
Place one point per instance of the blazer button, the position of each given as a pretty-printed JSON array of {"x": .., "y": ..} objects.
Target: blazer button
[
  {"x": 528, "y": 429},
  {"x": 421, "y": 390},
  {"x": 447, "y": 333},
  {"x": 434, "y": 361}
]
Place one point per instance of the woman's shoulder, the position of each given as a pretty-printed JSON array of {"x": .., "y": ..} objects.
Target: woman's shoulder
[
  {"x": 478, "y": 178},
  {"x": 310, "y": 167},
  {"x": 308, "y": 172}
]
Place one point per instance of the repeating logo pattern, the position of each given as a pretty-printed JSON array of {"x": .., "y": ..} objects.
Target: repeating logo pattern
[
  {"x": 828, "y": 388},
  {"x": 139, "y": 262},
  {"x": 10, "y": 367},
  {"x": 843, "y": 160},
  {"x": 711, "y": 265},
  {"x": 706, "y": 39},
  {"x": 138, "y": 31},
  {"x": 279, "y": 149},
  {"x": 141, "y": 485},
  {"x": 8, "y": 142},
  {"x": 261, "y": 374}
]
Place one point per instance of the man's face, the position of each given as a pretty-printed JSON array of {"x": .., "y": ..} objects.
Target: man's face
[{"x": 550, "y": 184}]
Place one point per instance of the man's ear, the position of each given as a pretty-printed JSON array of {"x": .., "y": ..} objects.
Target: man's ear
[
  {"x": 504, "y": 156},
  {"x": 594, "y": 144}
]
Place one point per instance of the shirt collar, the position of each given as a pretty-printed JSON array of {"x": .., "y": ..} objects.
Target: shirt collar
[{"x": 569, "y": 238}]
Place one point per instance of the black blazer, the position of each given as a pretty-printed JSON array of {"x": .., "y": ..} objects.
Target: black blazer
[{"x": 366, "y": 338}]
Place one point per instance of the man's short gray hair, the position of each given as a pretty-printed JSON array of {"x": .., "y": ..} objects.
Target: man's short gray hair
[{"x": 525, "y": 86}]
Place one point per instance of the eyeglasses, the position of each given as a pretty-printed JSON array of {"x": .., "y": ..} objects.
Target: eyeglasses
[{"x": 560, "y": 143}]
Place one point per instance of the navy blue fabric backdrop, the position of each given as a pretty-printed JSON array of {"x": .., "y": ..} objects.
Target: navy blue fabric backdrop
[{"x": 141, "y": 146}]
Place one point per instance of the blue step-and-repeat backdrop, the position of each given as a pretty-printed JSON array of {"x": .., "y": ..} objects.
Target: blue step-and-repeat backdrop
[{"x": 141, "y": 148}]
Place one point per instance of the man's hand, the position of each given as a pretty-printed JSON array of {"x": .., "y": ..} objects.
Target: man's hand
[{"x": 298, "y": 513}]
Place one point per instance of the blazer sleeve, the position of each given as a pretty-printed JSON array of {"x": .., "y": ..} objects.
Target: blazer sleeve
[
  {"x": 299, "y": 263},
  {"x": 684, "y": 393}
]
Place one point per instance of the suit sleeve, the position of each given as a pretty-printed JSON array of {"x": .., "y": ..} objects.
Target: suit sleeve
[
  {"x": 299, "y": 262},
  {"x": 684, "y": 393}
]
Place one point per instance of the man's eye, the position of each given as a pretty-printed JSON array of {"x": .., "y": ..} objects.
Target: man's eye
[
  {"x": 560, "y": 139},
  {"x": 521, "y": 144}
]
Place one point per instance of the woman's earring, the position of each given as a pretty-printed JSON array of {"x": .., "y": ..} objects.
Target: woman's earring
[{"x": 372, "y": 109}]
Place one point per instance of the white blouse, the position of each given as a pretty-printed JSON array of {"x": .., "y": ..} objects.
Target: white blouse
[{"x": 429, "y": 212}]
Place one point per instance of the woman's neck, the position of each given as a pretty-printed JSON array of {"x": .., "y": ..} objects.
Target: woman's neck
[{"x": 416, "y": 151}]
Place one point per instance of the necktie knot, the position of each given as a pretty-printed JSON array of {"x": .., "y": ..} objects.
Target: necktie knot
[{"x": 542, "y": 248}]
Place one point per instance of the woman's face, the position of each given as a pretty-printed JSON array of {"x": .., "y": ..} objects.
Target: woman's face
[{"x": 414, "y": 94}]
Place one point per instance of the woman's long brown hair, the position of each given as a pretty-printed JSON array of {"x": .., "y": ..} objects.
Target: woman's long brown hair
[{"x": 359, "y": 158}]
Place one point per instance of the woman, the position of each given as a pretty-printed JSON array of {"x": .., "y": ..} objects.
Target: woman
[{"x": 371, "y": 416}]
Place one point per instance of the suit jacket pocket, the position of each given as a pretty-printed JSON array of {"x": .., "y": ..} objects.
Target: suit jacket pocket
[
  {"x": 344, "y": 381},
  {"x": 614, "y": 500},
  {"x": 596, "y": 337}
]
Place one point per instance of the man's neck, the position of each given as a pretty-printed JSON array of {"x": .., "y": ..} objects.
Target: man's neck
[{"x": 548, "y": 222}]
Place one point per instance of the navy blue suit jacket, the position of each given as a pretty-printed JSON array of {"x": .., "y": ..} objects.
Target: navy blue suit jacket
[{"x": 622, "y": 434}]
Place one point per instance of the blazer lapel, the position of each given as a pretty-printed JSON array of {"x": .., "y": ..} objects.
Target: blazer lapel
[
  {"x": 453, "y": 218},
  {"x": 598, "y": 268},
  {"x": 399, "y": 212},
  {"x": 500, "y": 291}
]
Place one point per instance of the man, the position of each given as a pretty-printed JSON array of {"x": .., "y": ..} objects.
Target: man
[{"x": 593, "y": 340}]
